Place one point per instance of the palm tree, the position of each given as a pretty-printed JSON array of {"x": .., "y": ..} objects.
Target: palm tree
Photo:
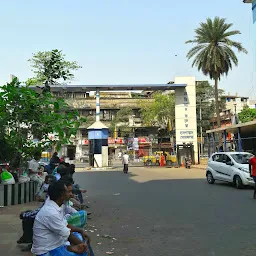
[{"x": 213, "y": 54}]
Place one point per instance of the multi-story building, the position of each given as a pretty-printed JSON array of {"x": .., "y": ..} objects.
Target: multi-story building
[
  {"x": 234, "y": 104},
  {"x": 111, "y": 103}
]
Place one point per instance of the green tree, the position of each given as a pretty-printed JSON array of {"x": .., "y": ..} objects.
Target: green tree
[
  {"x": 160, "y": 112},
  {"x": 50, "y": 67},
  {"x": 204, "y": 101},
  {"x": 33, "y": 81},
  {"x": 247, "y": 114},
  {"x": 27, "y": 118},
  {"x": 121, "y": 122},
  {"x": 213, "y": 54}
]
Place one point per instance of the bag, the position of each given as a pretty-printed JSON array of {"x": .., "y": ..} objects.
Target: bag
[
  {"x": 7, "y": 178},
  {"x": 24, "y": 179},
  {"x": 78, "y": 219}
]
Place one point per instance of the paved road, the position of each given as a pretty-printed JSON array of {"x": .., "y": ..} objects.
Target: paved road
[
  {"x": 169, "y": 212},
  {"x": 160, "y": 212}
]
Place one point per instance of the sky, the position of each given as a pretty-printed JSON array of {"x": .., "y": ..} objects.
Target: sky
[{"x": 121, "y": 41}]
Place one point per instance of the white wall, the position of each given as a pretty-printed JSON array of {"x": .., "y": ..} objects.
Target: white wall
[
  {"x": 98, "y": 158},
  {"x": 185, "y": 113},
  {"x": 105, "y": 156}
]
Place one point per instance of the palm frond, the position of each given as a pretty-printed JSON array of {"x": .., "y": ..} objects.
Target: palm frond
[
  {"x": 195, "y": 50},
  {"x": 213, "y": 54}
]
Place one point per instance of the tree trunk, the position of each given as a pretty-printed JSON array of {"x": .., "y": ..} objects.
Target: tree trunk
[{"x": 216, "y": 92}]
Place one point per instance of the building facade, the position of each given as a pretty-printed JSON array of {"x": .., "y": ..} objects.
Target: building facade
[
  {"x": 234, "y": 104},
  {"x": 83, "y": 99},
  {"x": 111, "y": 103}
]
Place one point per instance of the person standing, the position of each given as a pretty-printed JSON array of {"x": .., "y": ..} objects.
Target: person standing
[
  {"x": 54, "y": 161},
  {"x": 34, "y": 171},
  {"x": 252, "y": 168},
  {"x": 125, "y": 162},
  {"x": 162, "y": 160}
]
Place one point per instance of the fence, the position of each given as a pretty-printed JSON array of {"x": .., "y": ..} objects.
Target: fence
[
  {"x": 242, "y": 144},
  {"x": 17, "y": 193}
]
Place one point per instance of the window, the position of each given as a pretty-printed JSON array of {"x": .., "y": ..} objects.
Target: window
[
  {"x": 84, "y": 132},
  {"x": 106, "y": 115},
  {"x": 218, "y": 158},
  {"x": 242, "y": 158},
  {"x": 226, "y": 159}
]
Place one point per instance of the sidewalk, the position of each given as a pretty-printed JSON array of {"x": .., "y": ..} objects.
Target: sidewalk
[
  {"x": 11, "y": 228},
  {"x": 200, "y": 166}
]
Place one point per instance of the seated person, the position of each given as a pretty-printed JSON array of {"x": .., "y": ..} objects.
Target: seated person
[
  {"x": 54, "y": 161},
  {"x": 28, "y": 217},
  {"x": 75, "y": 202},
  {"x": 76, "y": 190},
  {"x": 61, "y": 171},
  {"x": 72, "y": 169},
  {"x": 43, "y": 192},
  {"x": 51, "y": 232}
]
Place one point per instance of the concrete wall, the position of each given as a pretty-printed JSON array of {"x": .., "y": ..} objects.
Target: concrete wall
[{"x": 185, "y": 113}]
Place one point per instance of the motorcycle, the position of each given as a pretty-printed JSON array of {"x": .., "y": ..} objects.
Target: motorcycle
[{"x": 188, "y": 163}]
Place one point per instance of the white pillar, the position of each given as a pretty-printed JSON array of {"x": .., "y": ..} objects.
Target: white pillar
[
  {"x": 97, "y": 104},
  {"x": 185, "y": 113}
]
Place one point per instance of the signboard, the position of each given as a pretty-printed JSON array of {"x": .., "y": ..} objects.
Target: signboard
[
  {"x": 135, "y": 144},
  {"x": 111, "y": 141}
]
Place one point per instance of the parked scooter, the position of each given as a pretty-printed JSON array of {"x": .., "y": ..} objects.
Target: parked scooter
[{"x": 188, "y": 163}]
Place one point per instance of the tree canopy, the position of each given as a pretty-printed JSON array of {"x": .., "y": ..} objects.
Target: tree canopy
[
  {"x": 247, "y": 114},
  {"x": 27, "y": 118},
  {"x": 51, "y": 67},
  {"x": 205, "y": 101},
  {"x": 160, "y": 112},
  {"x": 120, "y": 123},
  {"x": 213, "y": 53}
]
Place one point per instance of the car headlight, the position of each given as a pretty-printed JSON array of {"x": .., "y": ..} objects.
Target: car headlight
[{"x": 243, "y": 169}]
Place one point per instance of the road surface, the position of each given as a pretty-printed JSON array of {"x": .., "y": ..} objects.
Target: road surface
[{"x": 154, "y": 211}]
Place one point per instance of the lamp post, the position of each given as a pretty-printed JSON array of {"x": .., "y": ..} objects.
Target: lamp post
[
  {"x": 235, "y": 113},
  {"x": 201, "y": 128}
]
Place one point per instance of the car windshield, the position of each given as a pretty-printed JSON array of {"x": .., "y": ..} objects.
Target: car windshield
[{"x": 242, "y": 158}]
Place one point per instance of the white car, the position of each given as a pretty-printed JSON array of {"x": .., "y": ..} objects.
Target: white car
[{"x": 230, "y": 167}]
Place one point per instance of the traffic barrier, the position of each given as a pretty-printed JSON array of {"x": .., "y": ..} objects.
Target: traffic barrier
[{"x": 18, "y": 193}]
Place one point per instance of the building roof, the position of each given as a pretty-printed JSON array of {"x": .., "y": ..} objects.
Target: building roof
[
  {"x": 232, "y": 128},
  {"x": 97, "y": 125},
  {"x": 234, "y": 96},
  {"x": 120, "y": 87}
]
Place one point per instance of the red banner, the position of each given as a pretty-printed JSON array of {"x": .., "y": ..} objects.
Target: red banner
[{"x": 115, "y": 141}]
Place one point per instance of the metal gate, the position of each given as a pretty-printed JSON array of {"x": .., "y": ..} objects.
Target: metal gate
[{"x": 185, "y": 151}]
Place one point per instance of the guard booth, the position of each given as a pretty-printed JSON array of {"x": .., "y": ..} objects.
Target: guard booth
[
  {"x": 185, "y": 151},
  {"x": 98, "y": 145}
]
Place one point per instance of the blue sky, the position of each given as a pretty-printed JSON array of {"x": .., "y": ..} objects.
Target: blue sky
[{"x": 120, "y": 41}]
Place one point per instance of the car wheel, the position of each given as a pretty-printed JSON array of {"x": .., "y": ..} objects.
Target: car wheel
[
  {"x": 238, "y": 182},
  {"x": 210, "y": 178}
]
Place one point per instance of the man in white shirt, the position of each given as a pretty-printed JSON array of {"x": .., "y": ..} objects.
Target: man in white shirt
[
  {"x": 125, "y": 162},
  {"x": 34, "y": 170},
  {"x": 51, "y": 231}
]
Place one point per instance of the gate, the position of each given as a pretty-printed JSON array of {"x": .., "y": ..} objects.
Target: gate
[{"x": 185, "y": 151}]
